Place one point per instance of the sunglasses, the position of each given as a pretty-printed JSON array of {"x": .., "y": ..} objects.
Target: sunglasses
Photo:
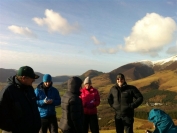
[{"x": 119, "y": 78}]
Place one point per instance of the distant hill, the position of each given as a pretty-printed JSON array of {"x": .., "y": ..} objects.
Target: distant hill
[
  {"x": 5, "y": 73},
  {"x": 91, "y": 74},
  {"x": 132, "y": 71},
  {"x": 161, "y": 74},
  {"x": 164, "y": 73}
]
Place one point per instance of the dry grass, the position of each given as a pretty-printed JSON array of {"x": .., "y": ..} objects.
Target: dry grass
[{"x": 165, "y": 79}]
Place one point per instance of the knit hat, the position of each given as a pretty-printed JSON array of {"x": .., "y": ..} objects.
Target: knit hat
[
  {"x": 87, "y": 81},
  {"x": 27, "y": 71},
  {"x": 47, "y": 78},
  {"x": 120, "y": 75}
]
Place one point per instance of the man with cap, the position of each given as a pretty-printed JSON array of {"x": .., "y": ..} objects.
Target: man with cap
[
  {"x": 90, "y": 100},
  {"x": 47, "y": 98},
  {"x": 124, "y": 98},
  {"x": 18, "y": 108}
]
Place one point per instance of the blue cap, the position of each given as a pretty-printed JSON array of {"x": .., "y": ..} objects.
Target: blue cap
[{"x": 47, "y": 78}]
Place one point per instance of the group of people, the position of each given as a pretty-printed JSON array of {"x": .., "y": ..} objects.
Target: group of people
[{"x": 24, "y": 109}]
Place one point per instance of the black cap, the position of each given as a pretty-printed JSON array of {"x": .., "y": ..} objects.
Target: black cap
[
  {"x": 120, "y": 75},
  {"x": 27, "y": 71}
]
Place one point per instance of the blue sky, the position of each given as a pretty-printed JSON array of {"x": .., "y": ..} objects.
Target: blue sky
[{"x": 69, "y": 37}]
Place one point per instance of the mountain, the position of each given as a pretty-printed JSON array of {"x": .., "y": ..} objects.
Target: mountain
[
  {"x": 5, "y": 73},
  {"x": 132, "y": 71},
  {"x": 145, "y": 74},
  {"x": 165, "y": 64},
  {"x": 159, "y": 74},
  {"x": 91, "y": 74}
]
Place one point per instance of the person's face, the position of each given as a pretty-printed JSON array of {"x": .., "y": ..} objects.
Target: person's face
[
  {"x": 47, "y": 84},
  {"x": 27, "y": 80},
  {"x": 87, "y": 86},
  {"x": 120, "y": 81}
]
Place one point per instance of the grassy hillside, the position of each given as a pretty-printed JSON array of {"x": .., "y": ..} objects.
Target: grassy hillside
[{"x": 163, "y": 80}]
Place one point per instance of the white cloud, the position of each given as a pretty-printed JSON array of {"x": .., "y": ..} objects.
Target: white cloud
[
  {"x": 150, "y": 34},
  {"x": 21, "y": 30},
  {"x": 56, "y": 23},
  {"x": 96, "y": 41}
]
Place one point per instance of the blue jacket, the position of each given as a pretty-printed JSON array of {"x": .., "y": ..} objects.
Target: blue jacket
[
  {"x": 162, "y": 121},
  {"x": 47, "y": 109}
]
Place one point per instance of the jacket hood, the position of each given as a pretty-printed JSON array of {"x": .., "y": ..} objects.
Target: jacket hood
[
  {"x": 161, "y": 120},
  {"x": 10, "y": 80},
  {"x": 74, "y": 85},
  {"x": 13, "y": 80}
]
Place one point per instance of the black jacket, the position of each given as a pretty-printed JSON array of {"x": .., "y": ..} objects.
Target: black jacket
[
  {"x": 72, "y": 109},
  {"x": 18, "y": 108},
  {"x": 122, "y": 99}
]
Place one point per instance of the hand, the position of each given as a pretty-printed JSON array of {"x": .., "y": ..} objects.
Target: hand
[
  {"x": 49, "y": 101},
  {"x": 45, "y": 100}
]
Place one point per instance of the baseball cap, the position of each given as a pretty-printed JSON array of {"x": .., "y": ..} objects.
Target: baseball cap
[
  {"x": 27, "y": 71},
  {"x": 120, "y": 75}
]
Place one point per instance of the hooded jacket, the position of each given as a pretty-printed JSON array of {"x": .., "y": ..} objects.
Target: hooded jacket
[
  {"x": 162, "y": 121},
  {"x": 18, "y": 108},
  {"x": 47, "y": 109},
  {"x": 72, "y": 109},
  {"x": 90, "y": 96},
  {"x": 121, "y": 99}
]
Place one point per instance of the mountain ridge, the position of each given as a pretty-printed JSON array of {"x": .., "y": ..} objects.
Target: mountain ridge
[{"x": 132, "y": 71}]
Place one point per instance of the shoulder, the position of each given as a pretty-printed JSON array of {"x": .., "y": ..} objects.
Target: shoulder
[
  {"x": 39, "y": 86},
  {"x": 3, "y": 91},
  {"x": 7, "y": 91},
  {"x": 9, "y": 87},
  {"x": 37, "y": 89},
  {"x": 95, "y": 90},
  {"x": 114, "y": 86},
  {"x": 74, "y": 99},
  {"x": 131, "y": 87},
  {"x": 53, "y": 88},
  {"x": 83, "y": 90}
]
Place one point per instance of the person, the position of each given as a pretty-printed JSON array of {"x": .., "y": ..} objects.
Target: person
[
  {"x": 48, "y": 98},
  {"x": 90, "y": 100},
  {"x": 162, "y": 122},
  {"x": 72, "y": 110},
  {"x": 18, "y": 109},
  {"x": 124, "y": 98}
]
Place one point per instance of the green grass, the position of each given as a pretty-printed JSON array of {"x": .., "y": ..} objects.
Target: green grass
[{"x": 58, "y": 111}]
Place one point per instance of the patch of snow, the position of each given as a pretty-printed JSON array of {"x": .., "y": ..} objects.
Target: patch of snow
[
  {"x": 159, "y": 62},
  {"x": 163, "y": 61}
]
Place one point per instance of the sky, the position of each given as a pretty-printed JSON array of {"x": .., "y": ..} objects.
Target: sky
[{"x": 70, "y": 37}]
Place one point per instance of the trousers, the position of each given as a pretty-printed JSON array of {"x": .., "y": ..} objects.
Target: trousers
[
  {"x": 124, "y": 123},
  {"x": 50, "y": 123},
  {"x": 92, "y": 122}
]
